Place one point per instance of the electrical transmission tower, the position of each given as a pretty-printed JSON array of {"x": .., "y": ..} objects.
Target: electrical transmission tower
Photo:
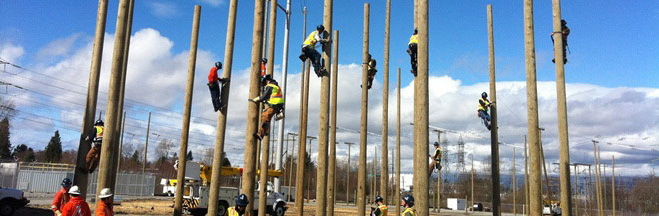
[{"x": 461, "y": 154}]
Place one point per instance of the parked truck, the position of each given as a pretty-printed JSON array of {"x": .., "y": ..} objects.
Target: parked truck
[{"x": 196, "y": 192}]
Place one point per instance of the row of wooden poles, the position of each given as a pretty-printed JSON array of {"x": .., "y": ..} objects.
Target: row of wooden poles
[{"x": 325, "y": 188}]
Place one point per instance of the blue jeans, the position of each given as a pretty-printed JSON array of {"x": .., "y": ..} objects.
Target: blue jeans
[{"x": 485, "y": 117}]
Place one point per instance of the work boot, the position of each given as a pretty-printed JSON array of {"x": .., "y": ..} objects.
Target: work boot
[
  {"x": 303, "y": 57},
  {"x": 258, "y": 136}
]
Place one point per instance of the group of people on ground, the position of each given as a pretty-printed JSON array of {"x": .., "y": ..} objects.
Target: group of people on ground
[
  {"x": 68, "y": 202},
  {"x": 381, "y": 209}
]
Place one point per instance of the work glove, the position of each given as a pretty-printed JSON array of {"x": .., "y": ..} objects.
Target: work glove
[{"x": 255, "y": 100}]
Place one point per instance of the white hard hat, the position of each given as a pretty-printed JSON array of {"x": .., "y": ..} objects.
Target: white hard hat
[
  {"x": 105, "y": 193},
  {"x": 74, "y": 190}
]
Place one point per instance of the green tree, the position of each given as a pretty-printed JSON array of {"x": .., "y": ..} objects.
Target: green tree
[
  {"x": 31, "y": 157},
  {"x": 189, "y": 157},
  {"x": 135, "y": 157},
  {"x": 53, "y": 151},
  {"x": 5, "y": 143}
]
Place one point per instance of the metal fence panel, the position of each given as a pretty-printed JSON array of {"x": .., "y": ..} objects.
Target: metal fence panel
[{"x": 49, "y": 182}]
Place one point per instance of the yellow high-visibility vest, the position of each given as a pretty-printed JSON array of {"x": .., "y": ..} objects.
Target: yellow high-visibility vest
[
  {"x": 311, "y": 39},
  {"x": 408, "y": 212},
  {"x": 414, "y": 39},
  {"x": 232, "y": 212},
  {"x": 480, "y": 107},
  {"x": 438, "y": 152},
  {"x": 99, "y": 132},
  {"x": 276, "y": 97}
]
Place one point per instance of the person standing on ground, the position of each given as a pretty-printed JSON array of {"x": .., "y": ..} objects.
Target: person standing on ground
[
  {"x": 274, "y": 99},
  {"x": 436, "y": 158},
  {"x": 412, "y": 48},
  {"x": 483, "y": 106},
  {"x": 216, "y": 85},
  {"x": 408, "y": 202},
  {"x": 94, "y": 154},
  {"x": 61, "y": 197},
  {"x": 76, "y": 206},
  {"x": 565, "y": 31},
  {"x": 381, "y": 210},
  {"x": 309, "y": 50},
  {"x": 104, "y": 207},
  {"x": 239, "y": 209}
]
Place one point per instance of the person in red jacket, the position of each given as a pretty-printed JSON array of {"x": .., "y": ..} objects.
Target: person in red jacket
[
  {"x": 76, "y": 205},
  {"x": 216, "y": 85},
  {"x": 104, "y": 208},
  {"x": 61, "y": 197}
]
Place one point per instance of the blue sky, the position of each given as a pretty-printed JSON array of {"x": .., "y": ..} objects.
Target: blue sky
[
  {"x": 613, "y": 69},
  {"x": 612, "y": 44}
]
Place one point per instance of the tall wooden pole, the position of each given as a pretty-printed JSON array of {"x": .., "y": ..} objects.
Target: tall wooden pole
[
  {"x": 185, "y": 129},
  {"x": 472, "y": 179},
  {"x": 384, "y": 170},
  {"x": 263, "y": 179},
  {"x": 302, "y": 140},
  {"x": 496, "y": 191},
  {"x": 535, "y": 179},
  {"x": 117, "y": 154},
  {"x": 397, "y": 143},
  {"x": 374, "y": 189},
  {"x": 146, "y": 145},
  {"x": 597, "y": 180},
  {"x": 361, "y": 176},
  {"x": 544, "y": 165},
  {"x": 421, "y": 114},
  {"x": 348, "y": 174},
  {"x": 121, "y": 145},
  {"x": 220, "y": 130},
  {"x": 564, "y": 145},
  {"x": 526, "y": 178},
  {"x": 105, "y": 168},
  {"x": 323, "y": 119},
  {"x": 331, "y": 176},
  {"x": 613, "y": 185},
  {"x": 80, "y": 177},
  {"x": 284, "y": 81},
  {"x": 110, "y": 138},
  {"x": 514, "y": 185},
  {"x": 290, "y": 172},
  {"x": 249, "y": 170},
  {"x": 300, "y": 173},
  {"x": 439, "y": 180},
  {"x": 576, "y": 191}
]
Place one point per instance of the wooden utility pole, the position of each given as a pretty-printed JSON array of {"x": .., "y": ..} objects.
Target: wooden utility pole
[
  {"x": 613, "y": 185},
  {"x": 290, "y": 172},
  {"x": 146, "y": 145},
  {"x": 600, "y": 211},
  {"x": 535, "y": 179},
  {"x": 263, "y": 179},
  {"x": 564, "y": 145},
  {"x": 348, "y": 169},
  {"x": 80, "y": 176},
  {"x": 361, "y": 176},
  {"x": 220, "y": 130},
  {"x": 397, "y": 143},
  {"x": 384, "y": 170},
  {"x": 439, "y": 178},
  {"x": 576, "y": 191},
  {"x": 544, "y": 165},
  {"x": 121, "y": 145},
  {"x": 526, "y": 178},
  {"x": 185, "y": 129},
  {"x": 323, "y": 119},
  {"x": 301, "y": 156},
  {"x": 331, "y": 176},
  {"x": 421, "y": 113},
  {"x": 117, "y": 154},
  {"x": 374, "y": 190},
  {"x": 514, "y": 185},
  {"x": 472, "y": 179},
  {"x": 249, "y": 170},
  {"x": 110, "y": 138},
  {"x": 496, "y": 191}
]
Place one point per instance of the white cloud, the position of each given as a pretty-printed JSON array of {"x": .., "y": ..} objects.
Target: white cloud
[
  {"x": 10, "y": 52},
  {"x": 58, "y": 47},
  {"x": 162, "y": 9},
  {"x": 213, "y": 3}
]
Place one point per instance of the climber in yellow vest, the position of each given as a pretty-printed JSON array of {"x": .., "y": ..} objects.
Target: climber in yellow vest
[
  {"x": 94, "y": 154},
  {"x": 412, "y": 45},
  {"x": 309, "y": 50},
  {"x": 239, "y": 209},
  {"x": 381, "y": 210},
  {"x": 436, "y": 159},
  {"x": 274, "y": 99},
  {"x": 483, "y": 106},
  {"x": 408, "y": 202}
]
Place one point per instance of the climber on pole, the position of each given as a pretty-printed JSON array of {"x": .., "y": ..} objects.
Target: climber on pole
[
  {"x": 483, "y": 106},
  {"x": 309, "y": 50},
  {"x": 215, "y": 85},
  {"x": 565, "y": 31}
]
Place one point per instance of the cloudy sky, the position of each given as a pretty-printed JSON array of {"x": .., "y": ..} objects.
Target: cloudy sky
[{"x": 612, "y": 75}]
